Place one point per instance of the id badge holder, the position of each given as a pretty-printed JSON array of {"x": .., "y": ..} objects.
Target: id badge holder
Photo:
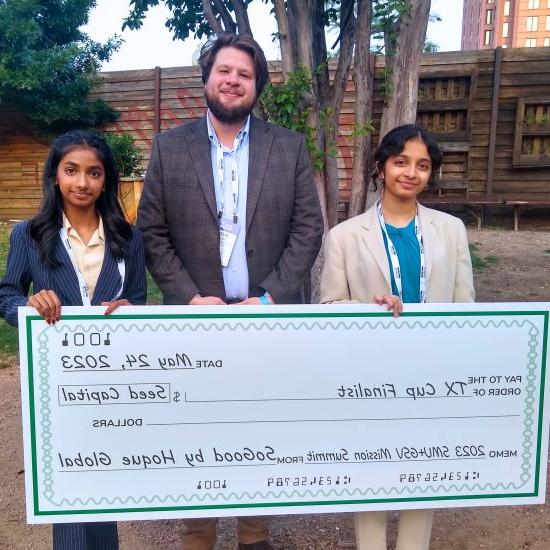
[{"x": 228, "y": 238}]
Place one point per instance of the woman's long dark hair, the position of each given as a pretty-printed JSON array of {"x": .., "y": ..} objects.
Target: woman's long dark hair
[
  {"x": 393, "y": 144},
  {"x": 45, "y": 226}
]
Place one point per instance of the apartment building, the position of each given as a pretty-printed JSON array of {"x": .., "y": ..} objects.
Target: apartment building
[{"x": 489, "y": 24}]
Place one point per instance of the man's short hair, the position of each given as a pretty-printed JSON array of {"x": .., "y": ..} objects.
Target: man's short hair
[{"x": 241, "y": 42}]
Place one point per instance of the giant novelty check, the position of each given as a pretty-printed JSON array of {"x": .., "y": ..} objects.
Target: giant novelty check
[{"x": 162, "y": 412}]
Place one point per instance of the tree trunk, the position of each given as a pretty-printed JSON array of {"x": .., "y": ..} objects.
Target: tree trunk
[
  {"x": 285, "y": 41},
  {"x": 318, "y": 174},
  {"x": 293, "y": 35},
  {"x": 405, "y": 66},
  {"x": 322, "y": 91},
  {"x": 241, "y": 16},
  {"x": 331, "y": 178},
  {"x": 334, "y": 103},
  {"x": 301, "y": 14},
  {"x": 304, "y": 15},
  {"x": 316, "y": 271},
  {"x": 364, "y": 74}
]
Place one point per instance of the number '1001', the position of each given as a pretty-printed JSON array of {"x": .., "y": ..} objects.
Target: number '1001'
[{"x": 81, "y": 339}]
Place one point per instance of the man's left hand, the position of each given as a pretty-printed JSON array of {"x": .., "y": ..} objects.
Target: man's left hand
[
  {"x": 111, "y": 306},
  {"x": 254, "y": 302}
]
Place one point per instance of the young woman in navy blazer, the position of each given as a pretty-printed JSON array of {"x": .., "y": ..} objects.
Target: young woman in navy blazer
[{"x": 80, "y": 185}]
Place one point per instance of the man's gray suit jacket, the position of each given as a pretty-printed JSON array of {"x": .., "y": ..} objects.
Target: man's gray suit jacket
[{"x": 177, "y": 214}]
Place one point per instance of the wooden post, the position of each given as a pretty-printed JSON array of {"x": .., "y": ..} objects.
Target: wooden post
[
  {"x": 130, "y": 190},
  {"x": 156, "y": 100},
  {"x": 494, "y": 118}
]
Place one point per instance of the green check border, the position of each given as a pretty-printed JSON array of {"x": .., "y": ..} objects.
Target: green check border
[{"x": 131, "y": 502}]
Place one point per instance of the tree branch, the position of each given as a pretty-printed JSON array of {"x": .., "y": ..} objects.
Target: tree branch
[
  {"x": 228, "y": 22},
  {"x": 347, "y": 36},
  {"x": 364, "y": 80},
  {"x": 337, "y": 90},
  {"x": 343, "y": 24},
  {"x": 215, "y": 25}
]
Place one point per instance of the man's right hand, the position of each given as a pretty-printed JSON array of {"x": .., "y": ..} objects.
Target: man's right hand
[{"x": 199, "y": 300}]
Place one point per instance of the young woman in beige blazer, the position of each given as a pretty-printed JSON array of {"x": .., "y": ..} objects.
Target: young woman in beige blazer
[{"x": 399, "y": 251}]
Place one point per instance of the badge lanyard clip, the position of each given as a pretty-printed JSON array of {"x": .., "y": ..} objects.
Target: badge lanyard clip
[{"x": 220, "y": 163}]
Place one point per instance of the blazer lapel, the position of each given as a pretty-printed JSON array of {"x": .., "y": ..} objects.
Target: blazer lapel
[
  {"x": 375, "y": 242},
  {"x": 260, "y": 141},
  {"x": 429, "y": 235},
  {"x": 199, "y": 147},
  {"x": 65, "y": 276},
  {"x": 108, "y": 282}
]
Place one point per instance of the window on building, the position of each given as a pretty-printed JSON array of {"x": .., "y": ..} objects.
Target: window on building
[
  {"x": 490, "y": 17},
  {"x": 504, "y": 46},
  {"x": 533, "y": 23},
  {"x": 548, "y": 22},
  {"x": 546, "y": 42},
  {"x": 504, "y": 30},
  {"x": 533, "y": 4},
  {"x": 507, "y": 8},
  {"x": 493, "y": 1},
  {"x": 488, "y": 38},
  {"x": 530, "y": 42}
]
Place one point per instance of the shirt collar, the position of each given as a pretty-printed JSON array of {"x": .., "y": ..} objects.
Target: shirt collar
[
  {"x": 243, "y": 132},
  {"x": 97, "y": 238}
]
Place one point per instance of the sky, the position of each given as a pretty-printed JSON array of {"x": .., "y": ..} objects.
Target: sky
[{"x": 152, "y": 45}]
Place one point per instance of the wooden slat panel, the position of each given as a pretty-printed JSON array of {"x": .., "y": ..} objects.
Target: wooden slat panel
[{"x": 461, "y": 119}]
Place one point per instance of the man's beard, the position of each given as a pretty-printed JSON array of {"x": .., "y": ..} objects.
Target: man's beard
[{"x": 228, "y": 115}]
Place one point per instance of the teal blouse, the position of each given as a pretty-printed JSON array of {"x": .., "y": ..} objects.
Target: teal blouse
[{"x": 408, "y": 252}]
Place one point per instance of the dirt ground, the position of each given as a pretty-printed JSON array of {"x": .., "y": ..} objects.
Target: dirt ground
[{"x": 517, "y": 269}]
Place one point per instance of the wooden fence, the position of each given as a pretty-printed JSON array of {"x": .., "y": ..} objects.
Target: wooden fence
[{"x": 490, "y": 110}]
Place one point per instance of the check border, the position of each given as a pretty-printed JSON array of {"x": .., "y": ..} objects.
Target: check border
[{"x": 44, "y": 410}]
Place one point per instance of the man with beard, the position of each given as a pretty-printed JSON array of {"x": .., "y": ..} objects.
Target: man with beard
[{"x": 230, "y": 213}]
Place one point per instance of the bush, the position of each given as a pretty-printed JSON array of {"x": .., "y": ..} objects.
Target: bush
[{"x": 128, "y": 157}]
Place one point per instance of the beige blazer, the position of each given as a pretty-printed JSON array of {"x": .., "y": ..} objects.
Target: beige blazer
[{"x": 356, "y": 265}]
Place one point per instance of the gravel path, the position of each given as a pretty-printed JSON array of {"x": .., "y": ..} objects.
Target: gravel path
[{"x": 517, "y": 270}]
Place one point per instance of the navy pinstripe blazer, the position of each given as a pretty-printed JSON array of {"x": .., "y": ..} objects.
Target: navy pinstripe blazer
[{"x": 25, "y": 266}]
